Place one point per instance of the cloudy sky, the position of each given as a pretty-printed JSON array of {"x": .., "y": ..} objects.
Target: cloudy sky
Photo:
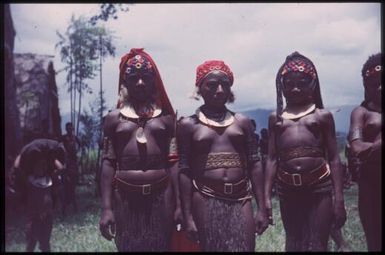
[{"x": 252, "y": 38}]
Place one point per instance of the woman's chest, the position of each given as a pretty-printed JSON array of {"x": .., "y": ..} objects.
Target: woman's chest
[{"x": 206, "y": 137}]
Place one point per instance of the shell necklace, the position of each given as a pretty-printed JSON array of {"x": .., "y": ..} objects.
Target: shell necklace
[
  {"x": 225, "y": 121},
  {"x": 290, "y": 116},
  {"x": 129, "y": 112}
]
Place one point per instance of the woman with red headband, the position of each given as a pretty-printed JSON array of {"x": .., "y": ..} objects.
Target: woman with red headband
[
  {"x": 304, "y": 160},
  {"x": 220, "y": 168},
  {"x": 139, "y": 180},
  {"x": 365, "y": 144}
]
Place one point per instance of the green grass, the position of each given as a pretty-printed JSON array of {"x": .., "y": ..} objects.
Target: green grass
[
  {"x": 273, "y": 239},
  {"x": 79, "y": 232}
]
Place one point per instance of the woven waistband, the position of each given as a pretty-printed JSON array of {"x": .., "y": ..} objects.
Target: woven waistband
[
  {"x": 225, "y": 160},
  {"x": 301, "y": 151}
]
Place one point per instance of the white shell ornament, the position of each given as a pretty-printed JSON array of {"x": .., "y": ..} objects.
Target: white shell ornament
[
  {"x": 40, "y": 182},
  {"x": 140, "y": 136}
]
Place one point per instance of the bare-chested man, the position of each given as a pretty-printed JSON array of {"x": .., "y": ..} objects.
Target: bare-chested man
[
  {"x": 34, "y": 169},
  {"x": 365, "y": 144},
  {"x": 220, "y": 168},
  {"x": 138, "y": 163},
  {"x": 303, "y": 156}
]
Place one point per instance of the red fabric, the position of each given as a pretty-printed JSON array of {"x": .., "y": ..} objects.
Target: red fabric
[
  {"x": 163, "y": 100},
  {"x": 181, "y": 243},
  {"x": 212, "y": 65}
]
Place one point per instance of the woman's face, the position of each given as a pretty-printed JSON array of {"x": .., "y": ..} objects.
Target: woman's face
[
  {"x": 140, "y": 84},
  {"x": 373, "y": 87},
  {"x": 215, "y": 89},
  {"x": 298, "y": 88}
]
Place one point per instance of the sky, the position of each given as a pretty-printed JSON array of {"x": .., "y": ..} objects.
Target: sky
[{"x": 253, "y": 39}]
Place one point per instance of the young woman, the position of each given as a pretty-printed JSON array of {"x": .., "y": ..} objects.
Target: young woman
[
  {"x": 304, "y": 160},
  {"x": 365, "y": 144},
  {"x": 220, "y": 168}
]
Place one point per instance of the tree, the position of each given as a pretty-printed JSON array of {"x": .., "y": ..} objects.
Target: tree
[
  {"x": 80, "y": 48},
  {"x": 107, "y": 11},
  {"x": 90, "y": 136}
]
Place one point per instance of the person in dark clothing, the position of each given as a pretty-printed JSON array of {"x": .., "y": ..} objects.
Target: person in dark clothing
[
  {"x": 70, "y": 178},
  {"x": 34, "y": 169}
]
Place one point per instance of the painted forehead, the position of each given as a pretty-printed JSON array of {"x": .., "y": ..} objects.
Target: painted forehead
[
  {"x": 138, "y": 63},
  {"x": 299, "y": 65}
]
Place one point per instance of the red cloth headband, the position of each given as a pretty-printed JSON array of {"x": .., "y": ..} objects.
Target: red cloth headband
[
  {"x": 131, "y": 59},
  {"x": 212, "y": 65},
  {"x": 299, "y": 65}
]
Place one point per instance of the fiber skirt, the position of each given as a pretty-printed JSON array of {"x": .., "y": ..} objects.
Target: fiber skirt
[{"x": 142, "y": 223}]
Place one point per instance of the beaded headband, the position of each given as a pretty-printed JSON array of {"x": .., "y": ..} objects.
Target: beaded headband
[
  {"x": 299, "y": 65},
  {"x": 137, "y": 63}
]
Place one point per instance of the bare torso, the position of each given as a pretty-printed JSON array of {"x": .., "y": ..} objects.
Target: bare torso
[
  {"x": 303, "y": 132},
  {"x": 206, "y": 140},
  {"x": 158, "y": 133}
]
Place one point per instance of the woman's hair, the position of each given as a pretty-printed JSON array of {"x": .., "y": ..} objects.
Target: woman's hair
[{"x": 279, "y": 84}]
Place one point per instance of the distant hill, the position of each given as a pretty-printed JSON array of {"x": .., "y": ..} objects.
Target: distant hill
[{"x": 341, "y": 116}]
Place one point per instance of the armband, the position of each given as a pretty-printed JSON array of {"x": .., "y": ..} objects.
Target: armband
[{"x": 355, "y": 134}]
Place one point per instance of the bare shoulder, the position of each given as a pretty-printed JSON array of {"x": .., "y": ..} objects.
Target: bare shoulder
[
  {"x": 324, "y": 116},
  {"x": 110, "y": 121},
  {"x": 242, "y": 119},
  {"x": 112, "y": 115},
  {"x": 359, "y": 110},
  {"x": 167, "y": 119},
  {"x": 323, "y": 112},
  {"x": 187, "y": 123}
]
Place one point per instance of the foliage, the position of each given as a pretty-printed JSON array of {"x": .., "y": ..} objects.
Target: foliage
[
  {"x": 90, "y": 134},
  {"x": 80, "y": 47},
  {"x": 107, "y": 11}
]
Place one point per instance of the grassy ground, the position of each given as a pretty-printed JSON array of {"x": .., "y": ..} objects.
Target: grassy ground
[{"x": 79, "y": 232}]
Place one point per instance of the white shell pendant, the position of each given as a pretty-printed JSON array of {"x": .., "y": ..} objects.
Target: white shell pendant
[{"x": 140, "y": 136}]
